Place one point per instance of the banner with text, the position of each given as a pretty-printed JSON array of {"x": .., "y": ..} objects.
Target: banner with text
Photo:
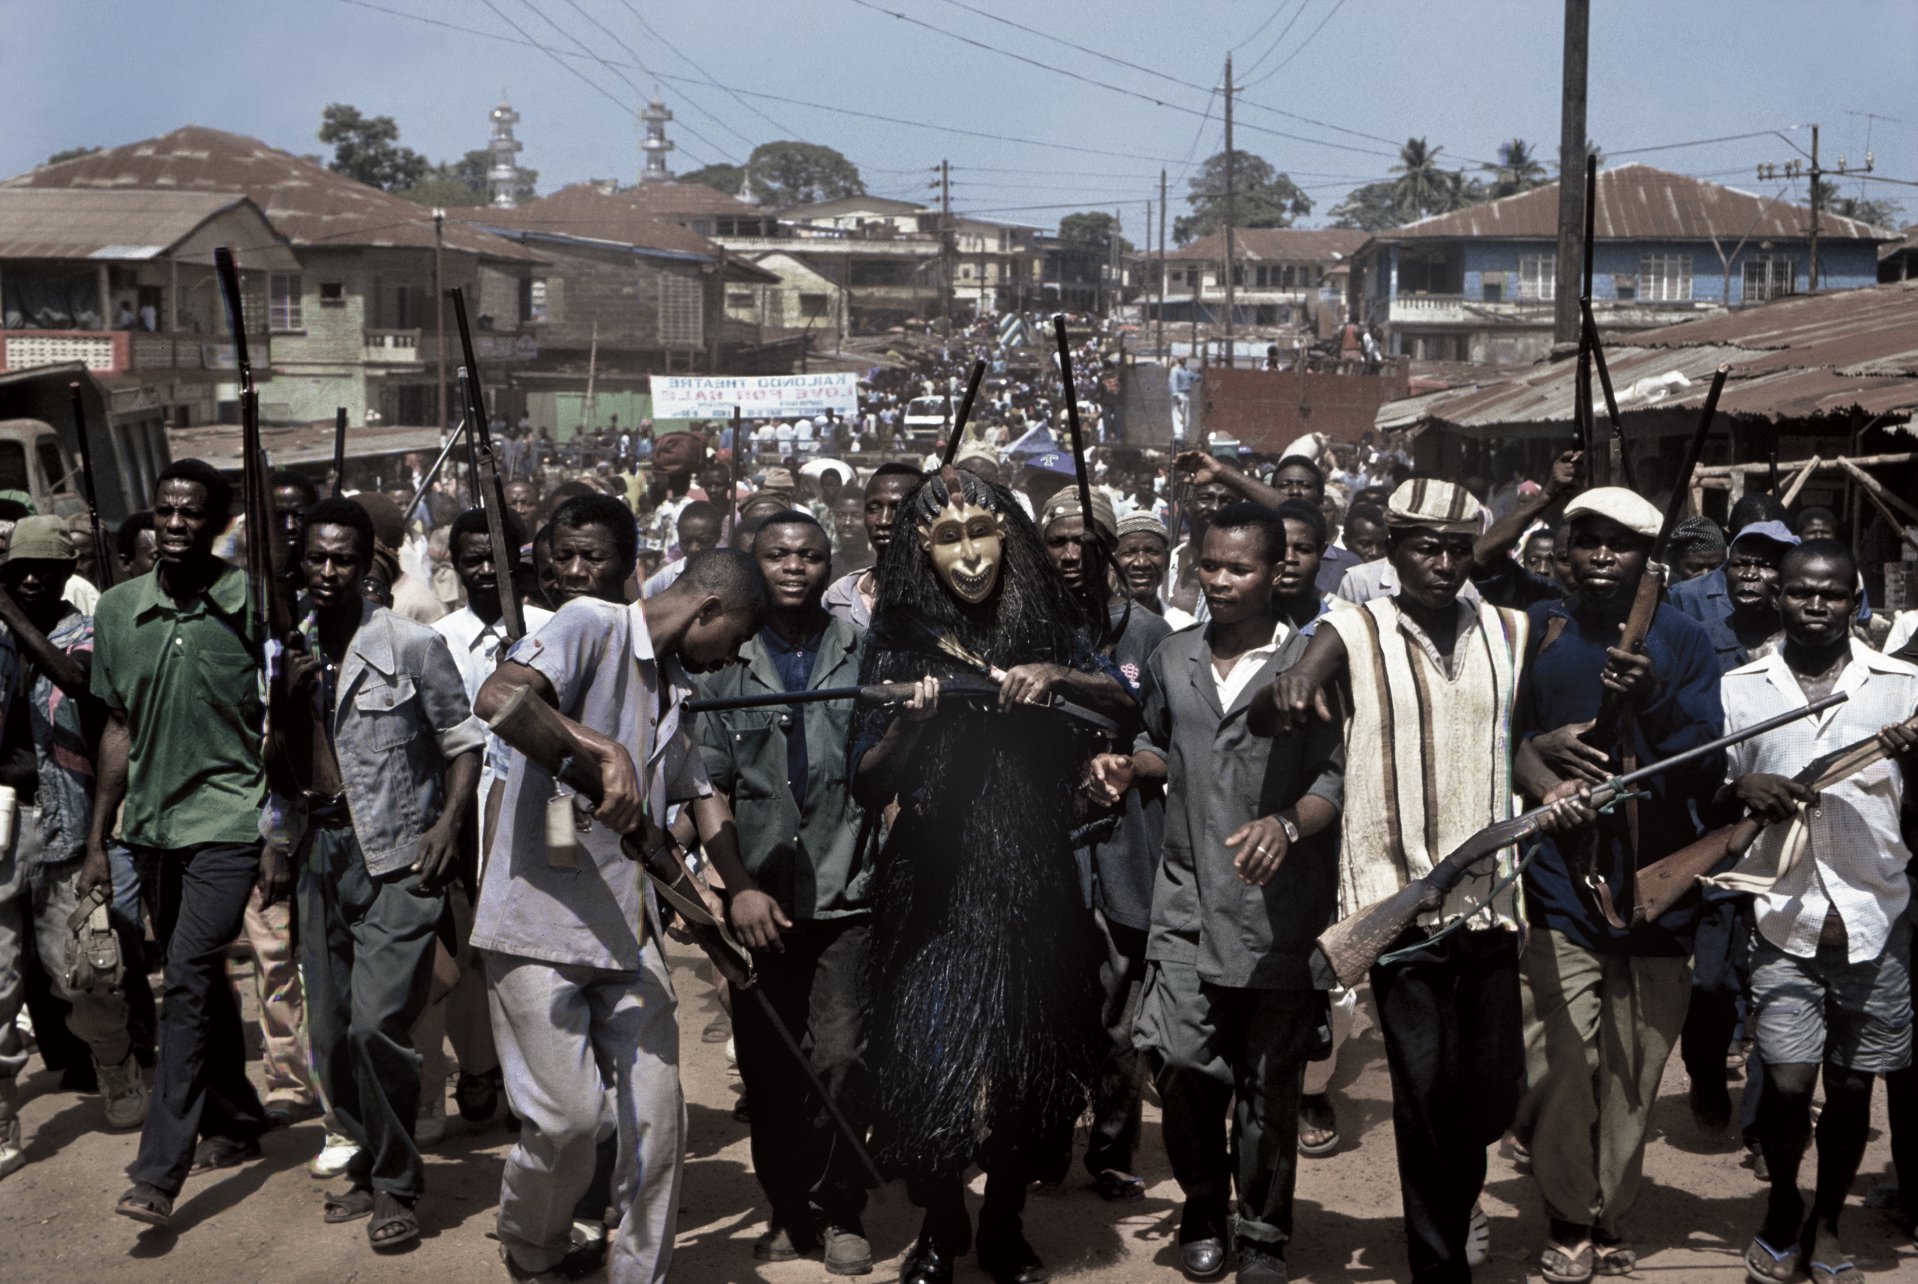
[{"x": 757, "y": 396}]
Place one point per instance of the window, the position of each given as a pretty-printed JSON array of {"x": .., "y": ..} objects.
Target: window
[
  {"x": 1665, "y": 278},
  {"x": 52, "y": 466},
  {"x": 739, "y": 299},
  {"x": 332, "y": 294},
  {"x": 814, "y": 305},
  {"x": 1538, "y": 277},
  {"x": 283, "y": 301},
  {"x": 1625, "y": 286},
  {"x": 13, "y": 467},
  {"x": 1769, "y": 276},
  {"x": 681, "y": 311},
  {"x": 1491, "y": 287},
  {"x": 532, "y": 300}
]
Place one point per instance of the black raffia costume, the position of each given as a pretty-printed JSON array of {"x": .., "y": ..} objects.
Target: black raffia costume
[{"x": 984, "y": 1032}]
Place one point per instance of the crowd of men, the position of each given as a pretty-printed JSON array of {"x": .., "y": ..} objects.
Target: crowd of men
[{"x": 1334, "y": 672}]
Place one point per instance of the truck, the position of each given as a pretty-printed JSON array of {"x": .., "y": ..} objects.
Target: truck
[{"x": 40, "y": 447}]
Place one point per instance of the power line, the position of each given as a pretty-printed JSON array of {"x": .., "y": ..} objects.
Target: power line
[
  {"x": 685, "y": 58},
  {"x": 1278, "y": 39},
  {"x": 1276, "y": 11},
  {"x": 1699, "y": 142},
  {"x": 1301, "y": 47}
]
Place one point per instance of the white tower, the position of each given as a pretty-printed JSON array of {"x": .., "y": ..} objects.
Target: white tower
[
  {"x": 502, "y": 174},
  {"x": 656, "y": 145},
  {"x": 746, "y": 194}
]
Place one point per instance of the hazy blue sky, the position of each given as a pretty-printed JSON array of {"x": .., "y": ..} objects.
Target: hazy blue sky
[{"x": 1465, "y": 75}]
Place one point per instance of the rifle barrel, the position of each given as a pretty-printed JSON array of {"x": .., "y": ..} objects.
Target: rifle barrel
[
  {"x": 339, "y": 450},
  {"x": 965, "y": 410},
  {"x": 487, "y": 491},
  {"x": 1694, "y": 451},
  {"x": 103, "y": 564},
  {"x": 1620, "y": 783}
]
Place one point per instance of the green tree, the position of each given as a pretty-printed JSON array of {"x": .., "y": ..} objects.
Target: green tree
[
  {"x": 721, "y": 178},
  {"x": 1878, "y": 212},
  {"x": 70, "y": 153},
  {"x": 1424, "y": 187},
  {"x": 1094, "y": 227},
  {"x": 1371, "y": 208},
  {"x": 367, "y": 149},
  {"x": 1517, "y": 170},
  {"x": 1261, "y": 197},
  {"x": 790, "y": 173}
]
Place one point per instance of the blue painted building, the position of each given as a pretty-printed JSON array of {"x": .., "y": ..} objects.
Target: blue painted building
[{"x": 1479, "y": 284}]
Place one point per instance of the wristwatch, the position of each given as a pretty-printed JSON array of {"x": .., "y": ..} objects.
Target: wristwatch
[{"x": 1291, "y": 830}]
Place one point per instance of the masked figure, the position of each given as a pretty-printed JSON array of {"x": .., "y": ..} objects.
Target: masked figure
[{"x": 984, "y": 1034}]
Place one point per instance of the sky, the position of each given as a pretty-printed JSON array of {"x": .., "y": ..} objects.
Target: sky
[{"x": 1330, "y": 86}]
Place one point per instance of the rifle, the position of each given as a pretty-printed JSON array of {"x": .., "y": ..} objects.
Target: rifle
[
  {"x": 1611, "y": 706},
  {"x": 1094, "y": 553},
  {"x": 432, "y": 474},
  {"x": 537, "y": 730},
  {"x": 1663, "y": 882},
  {"x": 487, "y": 492},
  {"x": 102, "y": 554},
  {"x": 1347, "y": 950},
  {"x": 339, "y": 451},
  {"x": 894, "y": 693},
  {"x": 1591, "y": 351},
  {"x": 965, "y": 412}
]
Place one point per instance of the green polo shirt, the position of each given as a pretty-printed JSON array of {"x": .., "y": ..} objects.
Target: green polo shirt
[{"x": 186, "y": 685}]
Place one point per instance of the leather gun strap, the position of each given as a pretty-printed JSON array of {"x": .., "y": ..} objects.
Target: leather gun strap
[{"x": 1601, "y": 892}]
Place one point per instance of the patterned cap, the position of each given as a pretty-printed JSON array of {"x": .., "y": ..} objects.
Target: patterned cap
[
  {"x": 1145, "y": 522},
  {"x": 1435, "y": 505},
  {"x": 1066, "y": 504}
]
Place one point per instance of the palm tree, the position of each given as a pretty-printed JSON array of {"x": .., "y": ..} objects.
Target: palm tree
[
  {"x": 1518, "y": 169},
  {"x": 1421, "y": 186}
]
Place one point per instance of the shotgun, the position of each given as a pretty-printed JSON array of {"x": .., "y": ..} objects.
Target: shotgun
[
  {"x": 538, "y": 731},
  {"x": 486, "y": 487},
  {"x": 1347, "y": 950},
  {"x": 102, "y": 554},
  {"x": 1662, "y": 883},
  {"x": 1094, "y": 553},
  {"x": 339, "y": 451},
  {"x": 894, "y": 693}
]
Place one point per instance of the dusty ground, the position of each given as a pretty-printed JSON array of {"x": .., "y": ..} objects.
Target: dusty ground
[{"x": 263, "y": 1221}]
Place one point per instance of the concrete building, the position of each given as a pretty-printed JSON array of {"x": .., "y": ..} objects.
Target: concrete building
[
  {"x": 1479, "y": 284},
  {"x": 1277, "y": 276}
]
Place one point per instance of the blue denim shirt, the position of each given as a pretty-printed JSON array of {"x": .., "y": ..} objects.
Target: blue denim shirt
[
  {"x": 60, "y": 744},
  {"x": 400, "y": 717}
]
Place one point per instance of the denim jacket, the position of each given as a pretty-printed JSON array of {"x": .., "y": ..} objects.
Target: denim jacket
[
  {"x": 400, "y": 716},
  {"x": 60, "y": 743}
]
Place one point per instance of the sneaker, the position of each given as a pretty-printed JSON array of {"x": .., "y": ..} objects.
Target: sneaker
[
  {"x": 125, "y": 1092},
  {"x": 429, "y": 1129},
  {"x": 847, "y": 1252},
  {"x": 333, "y": 1158},
  {"x": 1258, "y": 1264},
  {"x": 477, "y": 1095},
  {"x": 13, "y": 1156}
]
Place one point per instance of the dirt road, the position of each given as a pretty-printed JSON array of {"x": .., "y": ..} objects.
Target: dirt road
[{"x": 262, "y": 1221}]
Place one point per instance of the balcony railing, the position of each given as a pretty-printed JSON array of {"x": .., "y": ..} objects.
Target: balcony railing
[
  {"x": 119, "y": 351},
  {"x": 392, "y": 347}
]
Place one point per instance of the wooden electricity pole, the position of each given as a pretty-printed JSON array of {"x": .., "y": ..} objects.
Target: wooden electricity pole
[
  {"x": 1572, "y": 137},
  {"x": 1162, "y": 265},
  {"x": 1231, "y": 264}
]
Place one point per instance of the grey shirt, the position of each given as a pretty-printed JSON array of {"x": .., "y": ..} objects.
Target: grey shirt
[
  {"x": 599, "y": 659},
  {"x": 1219, "y": 776},
  {"x": 1117, "y": 868}
]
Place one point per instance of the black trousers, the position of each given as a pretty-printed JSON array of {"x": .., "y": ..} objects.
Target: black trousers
[
  {"x": 1455, "y": 1047},
  {"x": 1116, "y": 1103},
  {"x": 808, "y": 1171},
  {"x": 200, "y": 1086}
]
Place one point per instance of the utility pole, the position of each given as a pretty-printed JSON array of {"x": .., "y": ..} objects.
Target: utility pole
[
  {"x": 439, "y": 295},
  {"x": 1572, "y": 137},
  {"x": 1162, "y": 265},
  {"x": 1115, "y": 295},
  {"x": 945, "y": 233},
  {"x": 1791, "y": 171},
  {"x": 1231, "y": 262}
]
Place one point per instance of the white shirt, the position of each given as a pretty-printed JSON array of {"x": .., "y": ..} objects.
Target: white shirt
[
  {"x": 1246, "y": 667},
  {"x": 1856, "y": 855},
  {"x": 474, "y": 643}
]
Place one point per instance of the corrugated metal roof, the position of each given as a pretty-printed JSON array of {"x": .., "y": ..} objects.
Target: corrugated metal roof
[
  {"x": 309, "y": 204},
  {"x": 1640, "y": 203},
  {"x": 47, "y": 223},
  {"x": 1798, "y": 358},
  {"x": 582, "y": 210},
  {"x": 1274, "y": 245}
]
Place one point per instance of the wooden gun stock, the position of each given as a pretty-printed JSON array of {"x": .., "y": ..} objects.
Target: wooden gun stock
[
  {"x": 1638, "y": 623},
  {"x": 535, "y": 729},
  {"x": 1347, "y": 950},
  {"x": 1663, "y": 883}
]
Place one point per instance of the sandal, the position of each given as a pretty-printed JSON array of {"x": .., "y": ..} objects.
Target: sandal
[
  {"x": 1560, "y": 1265},
  {"x": 1821, "y": 1273},
  {"x": 349, "y": 1205},
  {"x": 146, "y": 1204},
  {"x": 1766, "y": 1265},
  {"x": 1318, "y": 1126},
  {"x": 717, "y": 1032},
  {"x": 223, "y": 1152},
  {"x": 394, "y": 1223},
  {"x": 1115, "y": 1185},
  {"x": 1478, "y": 1237},
  {"x": 1616, "y": 1259}
]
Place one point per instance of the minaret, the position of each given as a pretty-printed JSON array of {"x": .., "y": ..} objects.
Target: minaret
[
  {"x": 502, "y": 175},
  {"x": 656, "y": 145},
  {"x": 746, "y": 194}
]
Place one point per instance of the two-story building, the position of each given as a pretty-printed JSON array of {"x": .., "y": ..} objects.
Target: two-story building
[
  {"x": 1479, "y": 284},
  {"x": 123, "y": 281},
  {"x": 1276, "y": 276},
  {"x": 354, "y": 321}
]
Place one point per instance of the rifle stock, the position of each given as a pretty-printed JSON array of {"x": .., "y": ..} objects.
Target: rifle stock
[
  {"x": 537, "y": 730},
  {"x": 1663, "y": 883}
]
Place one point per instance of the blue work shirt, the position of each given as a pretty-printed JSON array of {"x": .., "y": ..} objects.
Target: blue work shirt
[
  {"x": 1560, "y": 686},
  {"x": 794, "y": 664}
]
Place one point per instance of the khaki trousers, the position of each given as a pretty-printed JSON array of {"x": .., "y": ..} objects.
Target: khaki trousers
[{"x": 1598, "y": 1031}]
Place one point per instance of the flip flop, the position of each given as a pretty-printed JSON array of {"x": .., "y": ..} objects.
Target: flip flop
[
  {"x": 1559, "y": 1265},
  {"x": 391, "y": 1214},
  {"x": 1321, "y": 1120},
  {"x": 1616, "y": 1259},
  {"x": 1115, "y": 1185},
  {"x": 1833, "y": 1273},
  {"x": 349, "y": 1205},
  {"x": 1766, "y": 1265},
  {"x": 146, "y": 1204}
]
